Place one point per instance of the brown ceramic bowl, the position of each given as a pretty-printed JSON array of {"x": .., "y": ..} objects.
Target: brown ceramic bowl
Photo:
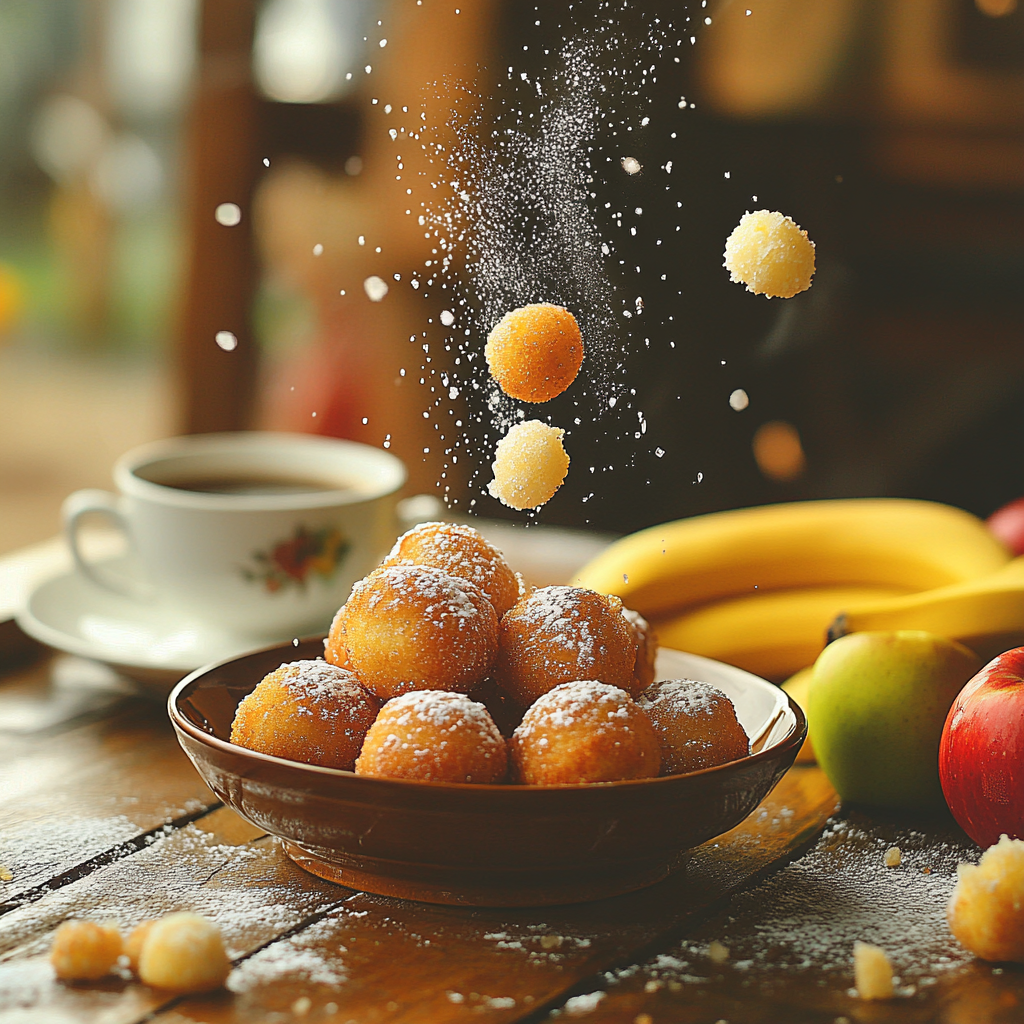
[{"x": 483, "y": 845}]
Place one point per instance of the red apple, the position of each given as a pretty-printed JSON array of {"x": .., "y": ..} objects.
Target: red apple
[
  {"x": 981, "y": 754},
  {"x": 1007, "y": 523}
]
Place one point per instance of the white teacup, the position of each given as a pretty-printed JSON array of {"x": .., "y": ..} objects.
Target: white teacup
[{"x": 260, "y": 533}]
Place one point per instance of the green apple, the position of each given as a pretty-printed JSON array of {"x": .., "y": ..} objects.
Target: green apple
[{"x": 876, "y": 707}]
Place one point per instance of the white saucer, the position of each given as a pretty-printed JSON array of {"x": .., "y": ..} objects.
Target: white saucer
[{"x": 149, "y": 643}]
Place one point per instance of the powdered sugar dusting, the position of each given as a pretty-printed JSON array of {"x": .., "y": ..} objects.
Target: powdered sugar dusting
[
  {"x": 441, "y": 595},
  {"x": 318, "y": 681},
  {"x": 295, "y": 959},
  {"x": 690, "y": 697},
  {"x": 434, "y": 735},
  {"x": 443, "y": 710},
  {"x": 570, "y": 703},
  {"x": 458, "y": 549}
]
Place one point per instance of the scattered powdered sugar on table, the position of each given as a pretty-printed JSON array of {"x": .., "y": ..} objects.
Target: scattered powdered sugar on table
[
  {"x": 808, "y": 915},
  {"x": 294, "y": 959}
]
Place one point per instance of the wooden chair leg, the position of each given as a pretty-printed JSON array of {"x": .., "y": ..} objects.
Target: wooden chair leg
[{"x": 222, "y": 164}]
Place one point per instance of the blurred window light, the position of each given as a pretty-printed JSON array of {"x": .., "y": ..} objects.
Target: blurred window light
[
  {"x": 67, "y": 136},
  {"x": 303, "y": 48},
  {"x": 128, "y": 174},
  {"x": 151, "y": 51}
]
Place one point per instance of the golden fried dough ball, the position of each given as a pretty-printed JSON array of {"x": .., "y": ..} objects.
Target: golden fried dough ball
[
  {"x": 334, "y": 649},
  {"x": 584, "y": 732},
  {"x": 85, "y": 950},
  {"x": 529, "y": 465},
  {"x": 558, "y": 634},
  {"x": 184, "y": 953},
  {"x": 436, "y": 736},
  {"x": 306, "y": 711},
  {"x": 135, "y": 941},
  {"x": 413, "y": 627},
  {"x": 646, "y": 652},
  {"x": 535, "y": 352},
  {"x": 461, "y": 551},
  {"x": 770, "y": 254},
  {"x": 986, "y": 910},
  {"x": 696, "y": 725}
]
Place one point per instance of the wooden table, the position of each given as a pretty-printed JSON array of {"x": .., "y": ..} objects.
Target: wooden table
[{"x": 102, "y": 817}]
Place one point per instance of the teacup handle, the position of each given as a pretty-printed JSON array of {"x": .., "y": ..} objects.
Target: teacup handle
[{"x": 95, "y": 502}]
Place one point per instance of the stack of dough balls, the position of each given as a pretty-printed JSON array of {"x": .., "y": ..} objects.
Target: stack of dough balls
[
  {"x": 534, "y": 353},
  {"x": 441, "y": 642}
]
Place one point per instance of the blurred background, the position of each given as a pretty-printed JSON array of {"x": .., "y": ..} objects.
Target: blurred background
[{"x": 205, "y": 225}]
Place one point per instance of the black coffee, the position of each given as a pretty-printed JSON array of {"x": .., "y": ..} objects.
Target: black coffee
[{"x": 255, "y": 485}]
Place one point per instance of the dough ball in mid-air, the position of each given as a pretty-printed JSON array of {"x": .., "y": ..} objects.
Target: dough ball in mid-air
[
  {"x": 530, "y": 464},
  {"x": 535, "y": 352},
  {"x": 770, "y": 254}
]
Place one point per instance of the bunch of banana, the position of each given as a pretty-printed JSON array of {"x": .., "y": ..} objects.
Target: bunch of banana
[
  {"x": 985, "y": 614},
  {"x": 759, "y": 587},
  {"x": 771, "y": 634}
]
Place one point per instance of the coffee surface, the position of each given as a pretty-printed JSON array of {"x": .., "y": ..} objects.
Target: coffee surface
[{"x": 253, "y": 484}]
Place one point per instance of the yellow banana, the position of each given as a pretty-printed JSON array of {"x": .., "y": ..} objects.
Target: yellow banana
[
  {"x": 986, "y": 614},
  {"x": 797, "y": 686},
  {"x": 773, "y": 634},
  {"x": 872, "y": 542}
]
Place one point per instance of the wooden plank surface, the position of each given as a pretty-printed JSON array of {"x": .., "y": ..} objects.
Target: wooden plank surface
[
  {"x": 295, "y": 936},
  {"x": 790, "y": 941},
  {"x": 102, "y": 771}
]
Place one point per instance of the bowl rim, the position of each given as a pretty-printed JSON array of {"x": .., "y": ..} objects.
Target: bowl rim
[{"x": 794, "y": 738}]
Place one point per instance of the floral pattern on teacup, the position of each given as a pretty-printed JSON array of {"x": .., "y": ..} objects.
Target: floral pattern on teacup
[{"x": 289, "y": 563}]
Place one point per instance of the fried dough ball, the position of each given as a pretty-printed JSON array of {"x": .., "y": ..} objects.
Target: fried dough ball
[
  {"x": 184, "y": 953},
  {"x": 85, "y": 950},
  {"x": 986, "y": 910},
  {"x": 529, "y": 465},
  {"x": 435, "y": 736},
  {"x": 535, "y": 352},
  {"x": 306, "y": 711},
  {"x": 413, "y": 627},
  {"x": 696, "y": 725},
  {"x": 646, "y": 652},
  {"x": 770, "y": 254},
  {"x": 134, "y": 943},
  {"x": 584, "y": 731},
  {"x": 461, "y": 551},
  {"x": 558, "y": 634},
  {"x": 334, "y": 649}
]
